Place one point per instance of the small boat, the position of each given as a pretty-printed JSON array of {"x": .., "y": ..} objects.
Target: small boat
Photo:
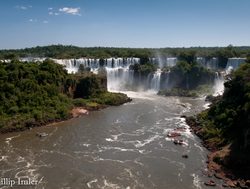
[
  {"x": 173, "y": 134},
  {"x": 42, "y": 134}
]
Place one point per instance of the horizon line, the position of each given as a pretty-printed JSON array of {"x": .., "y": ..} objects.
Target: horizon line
[{"x": 119, "y": 47}]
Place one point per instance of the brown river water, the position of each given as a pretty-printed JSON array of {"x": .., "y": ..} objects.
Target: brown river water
[{"x": 119, "y": 147}]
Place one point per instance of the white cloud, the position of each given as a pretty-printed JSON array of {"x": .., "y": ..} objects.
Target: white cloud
[
  {"x": 23, "y": 7},
  {"x": 54, "y": 13},
  {"x": 50, "y": 8},
  {"x": 45, "y": 21},
  {"x": 32, "y": 20},
  {"x": 70, "y": 10}
]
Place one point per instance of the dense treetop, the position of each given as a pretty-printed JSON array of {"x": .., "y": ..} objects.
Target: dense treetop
[
  {"x": 33, "y": 94},
  {"x": 227, "y": 122},
  {"x": 60, "y": 51}
]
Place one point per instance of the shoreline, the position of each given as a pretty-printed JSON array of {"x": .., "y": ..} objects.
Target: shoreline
[
  {"x": 75, "y": 112},
  {"x": 214, "y": 169}
]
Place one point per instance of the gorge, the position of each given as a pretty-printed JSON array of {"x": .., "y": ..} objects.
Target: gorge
[{"x": 128, "y": 146}]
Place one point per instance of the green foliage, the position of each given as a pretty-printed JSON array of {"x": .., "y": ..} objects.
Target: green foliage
[
  {"x": 31, "y": 92},
  {"x": 34, "y": 94},
  {"x": 184, "y": 54},
  {"x": 144, "y": 68},
  {"x": 187, "y": 56},
  {"x": 200, "y": 90},
  {"x": 228, "y": 119},
  {"x": 90, "y": 85},
  {"x": 108, "y": 98},
  {"x": 188, "y": 76},
  {"x": 178, "y": 92}
]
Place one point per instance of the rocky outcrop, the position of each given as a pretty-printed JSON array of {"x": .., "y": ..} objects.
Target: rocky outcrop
[
  {"x": 78, "y": 112},
  {"x": 217, "y": 164}
]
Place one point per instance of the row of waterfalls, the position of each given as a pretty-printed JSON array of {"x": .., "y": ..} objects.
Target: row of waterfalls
[{"x": 121, "y": 78}]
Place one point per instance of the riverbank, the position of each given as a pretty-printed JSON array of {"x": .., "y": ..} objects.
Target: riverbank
[
  {"x": 80, "y": 107},
  {"x": 216, "y": 160},
  {"x": 194, "y": 93}
]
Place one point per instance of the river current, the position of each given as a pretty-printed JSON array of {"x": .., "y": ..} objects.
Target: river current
[{"x": 123, "y": 147}]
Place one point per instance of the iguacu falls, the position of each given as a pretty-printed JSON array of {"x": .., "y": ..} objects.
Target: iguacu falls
[
  {"x": 121, "y": 78},
  {"x": 143, "y": 144},
  {"x": 124, "y": 94}
]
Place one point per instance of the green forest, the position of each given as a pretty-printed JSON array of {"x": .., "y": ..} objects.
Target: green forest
[
  {"x": 65, "y": 52},
  {"x": 227, "y": 121},
  {"x": 187, "y": 78},
  {"x": 34, "y": 94}
]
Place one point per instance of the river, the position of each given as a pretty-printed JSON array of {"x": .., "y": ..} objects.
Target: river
[{"x": 118, "y": 147}]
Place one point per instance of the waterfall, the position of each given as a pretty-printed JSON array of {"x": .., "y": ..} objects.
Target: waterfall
[
  {"x": 171, "y": 61},
  {"x": 72, "y": 65},
  {"x": 209, "y": 63},
  {"x": 119, "y": 76},
  {"x": 32, "y": 59},
  {"x": 164, "y": 61},
  {"x": 234, "y": 63},
  {"x": 218, "y": 84},
  {"x": 156, "y": 80}
]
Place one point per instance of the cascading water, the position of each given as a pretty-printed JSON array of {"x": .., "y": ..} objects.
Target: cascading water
[
  {"x": 234, "y": 63},
  {"x": 156, "y": 80},
  {"x": 218, "y": 84},
  {"x": 119, "y": 76},
  {"x": 211, "y": 63},
  {"x": 72, "y": 65},
  {"x": 164, "y": 61}
]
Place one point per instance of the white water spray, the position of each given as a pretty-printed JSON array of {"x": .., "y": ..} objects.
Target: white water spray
[
  {"x": 218, "y": 84},
  {"x": 156, "y": 80}
]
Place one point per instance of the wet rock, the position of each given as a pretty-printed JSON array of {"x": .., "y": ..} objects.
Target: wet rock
[
  {"x": 248, "y": 183},
  {"x": 180, "y": 129},
  {"x": 209, "y": 98},
  {"x": 78, "y": 112},
  {"x": 242, "y": 184},
  {"x": 212, "y": 99},
  {"x": 210, "y": 183},
  {"x": 218, "y": 175},
  {"x": 183, "y": 105},
  {"x": 210, "y": 175},
  {"x": 178, "y": 142},
  {"x": 185, "y": 156},
  {"x": 229, "y": 183},
  {"x": 173, "y": 134}
]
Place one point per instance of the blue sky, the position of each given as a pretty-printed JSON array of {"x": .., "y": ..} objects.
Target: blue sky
[{"x": 124, "y": 23}]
